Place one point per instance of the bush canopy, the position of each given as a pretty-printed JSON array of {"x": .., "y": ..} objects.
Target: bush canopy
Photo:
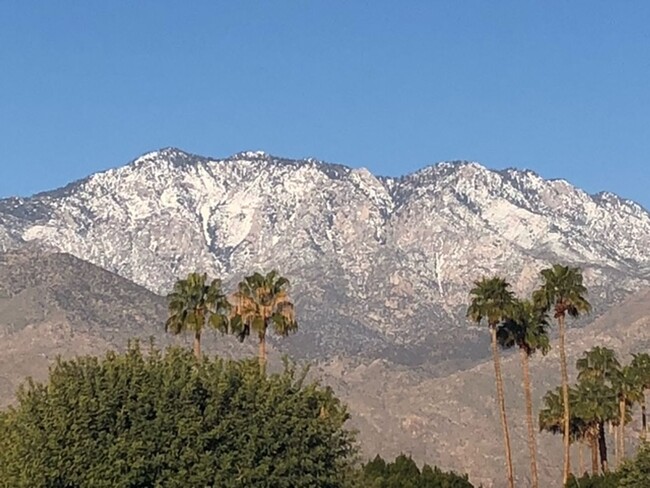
[{"x": 154, "y": 419}]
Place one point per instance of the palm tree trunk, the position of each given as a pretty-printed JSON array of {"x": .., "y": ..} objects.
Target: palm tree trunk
[
  {"x": 644, "y": 424},
  {"x": 594, "y": 454},
  {"x": 502, "y": 406},
  {"x": 602, "y": 447},
  {"x": 581, "y": 461},
  {"x": 197, "y": 344},
  {"x": 621, "y": 434},
  {"x": 532, "y": 443},
  {"x": 617, "y": 452},
  {"x": 565, "y": 400},
  {"x": 262, "y": 353}
]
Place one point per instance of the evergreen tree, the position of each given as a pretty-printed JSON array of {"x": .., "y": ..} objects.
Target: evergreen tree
[
  {"x": 636, "y": 474},
  {"x": 404, "y": 473},
  {"x": 153, "y": 420},
  {"x": 607, "y": 480}
]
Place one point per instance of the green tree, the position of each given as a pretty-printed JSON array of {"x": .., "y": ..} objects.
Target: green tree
[
  {"x": 527, "y": 329},
  {"x": 492, "y": 300},
  {"x": 629, "y": 391},
  {"x": 436, "y": 478},
  {"x": 162, "y": 419},
  {"x": 597, "y": 368},
  {"x": 563, "y": 292},
  {"x": 374, "y": 472},
  {"x": 595, "y": 405},
  {"x": 599, "y": 364},
  {"x": 636, "y": 473},
  {"x": 551, "y": 419},
  {"x": 404, "y": 473},
  {"x": 606, "y": 480},
  {"x": 263, "y": 301},
  {"x": 641, "y": 365},
  {"x": 193, "y": 303}
]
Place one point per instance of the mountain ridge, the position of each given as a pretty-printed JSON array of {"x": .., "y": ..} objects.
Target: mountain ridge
[
  {"x": 175, "y": 153},
  {"x": 368, "y": 255}
]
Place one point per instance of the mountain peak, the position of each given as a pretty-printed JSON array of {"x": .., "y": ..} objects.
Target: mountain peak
[
  {"x": 167, "y": 155},
  {"x": 251, "y": 155}
]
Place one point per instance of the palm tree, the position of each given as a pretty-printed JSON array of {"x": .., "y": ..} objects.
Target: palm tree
[
  {"x": 551, "y": 419},
  {"x": 595, "y": 404},
  {"x": 492, "y": 300},
  {"x": 528, "y": 330},
  {"x": 192, "y": 303},
  {"x": 629, "y": 391},
  {"x": 598, "y": 363},
  {"x": 597, "y": 368},
  {"x": 563, "y": 292},
  {"x": 641, "y": 365},
  {"x": 262, "y": 301}
]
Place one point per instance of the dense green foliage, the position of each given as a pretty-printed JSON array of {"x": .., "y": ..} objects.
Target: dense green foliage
[
  {"x": 636, "y": 473},
  {"x": 607, "y": 480},
  {"x": 167, "y": 420},
  {"x": 633, "y": 474},
  {"x": 404, "y": 473}
]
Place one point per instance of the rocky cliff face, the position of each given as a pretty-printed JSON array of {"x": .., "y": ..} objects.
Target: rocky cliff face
[{"x": 380, "y": 266}]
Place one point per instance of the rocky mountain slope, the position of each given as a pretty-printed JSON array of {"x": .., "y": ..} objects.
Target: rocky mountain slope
[
  {"x": 380, "y": 266},
  {"x": 55, "y": 304}
]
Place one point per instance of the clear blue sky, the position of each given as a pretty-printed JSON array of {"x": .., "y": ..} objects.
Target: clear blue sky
[{"x": 560, "y": 87}]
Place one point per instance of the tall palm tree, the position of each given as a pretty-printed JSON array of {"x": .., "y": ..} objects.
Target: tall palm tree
[
  {"x": 528, "y": 330},
  {"x": 641, "y": 365},
  {"x": 563, "y": 292},
  {"x": 493, "y": 301},
  {"x": 194, "y": 302},
  {"x": 597, "y": 368},
  {"x": 262, "y": 301},
  {"x": 628, "y": 392}
]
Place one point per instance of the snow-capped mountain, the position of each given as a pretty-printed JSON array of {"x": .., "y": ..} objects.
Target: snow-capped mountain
[{"x": 380, "y": 266}]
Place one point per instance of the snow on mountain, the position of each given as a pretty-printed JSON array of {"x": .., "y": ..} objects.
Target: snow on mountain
[{"x": 380, "y": 266}]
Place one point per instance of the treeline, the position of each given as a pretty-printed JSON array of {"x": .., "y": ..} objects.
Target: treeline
[
  {"x": 404, "y": 473},
  {"x": 153, "y": 419},
  {"x": 606, "y": 391},
  {"x": 181, "y": 419},
  {"x": 634, "y": 473}
]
